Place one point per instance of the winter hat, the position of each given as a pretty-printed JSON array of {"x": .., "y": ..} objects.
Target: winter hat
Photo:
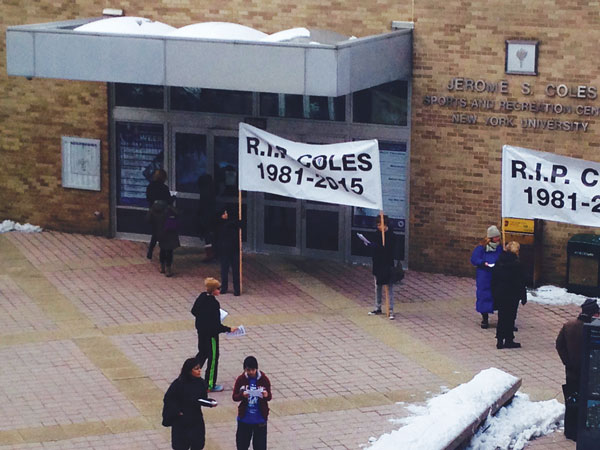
[
  {"x": 493, "y": 232},
  {"x": 590, "y": 307},
  {"x": 250, "y": 363}
]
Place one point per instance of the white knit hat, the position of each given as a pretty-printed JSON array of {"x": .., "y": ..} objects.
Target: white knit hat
[{"x": 493, "y": 232}]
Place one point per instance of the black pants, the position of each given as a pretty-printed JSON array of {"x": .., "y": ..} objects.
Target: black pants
[
  {"x": 188, "y": 436},
  {"x": 208, "y": 350},
  {"x": 166, "y": 257},
  {"x": 257, "y": 433},
  {"x": 230, "y": 258},
  {"x": 152, "y": 243},
  {"x": 507, "y": 314}
]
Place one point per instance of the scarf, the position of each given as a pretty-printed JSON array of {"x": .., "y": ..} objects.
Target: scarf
[{"x": 491, "y": 246}]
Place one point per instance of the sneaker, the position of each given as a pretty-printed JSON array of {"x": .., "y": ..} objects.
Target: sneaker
[
  {"x": 375, "y": 312},
  {"x": 392, "y": 317},
  {"x": 217, "y": 388}
]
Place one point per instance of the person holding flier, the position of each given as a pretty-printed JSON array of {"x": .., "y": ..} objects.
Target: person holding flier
[
  {"x": 253, "y": 390},
  {"x": 182, "y": 407},
  {"x": 207, "y": 312},
  {"x": 484, "y": 257}
]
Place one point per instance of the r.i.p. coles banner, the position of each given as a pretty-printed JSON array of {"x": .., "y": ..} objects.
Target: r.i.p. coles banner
[
  {"x": 347, "y": 173},
  {"x": 540, "y": 185}
]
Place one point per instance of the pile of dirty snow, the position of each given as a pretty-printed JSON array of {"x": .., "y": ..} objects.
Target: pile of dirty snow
[{"x": 9, "y": 225}]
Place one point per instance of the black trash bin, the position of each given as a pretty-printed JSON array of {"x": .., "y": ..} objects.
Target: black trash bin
[{"x": 583, "y": 264}]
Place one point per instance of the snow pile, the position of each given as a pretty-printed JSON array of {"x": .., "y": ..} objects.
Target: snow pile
[
  {"x": 554, "y": 295},
  {"x": 204, "y": 30},
  {"x": 9, "y": 225},
  {"x": 127, "y": 25},
  {"x": 444, "y": 417},
  {"x": 517, "y": 423}
]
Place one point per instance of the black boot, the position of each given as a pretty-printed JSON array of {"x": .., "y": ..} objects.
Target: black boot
[
  {"x": 511, "y": 344},
  {"x": 484, "y": 321},
  {"x": 500, "y": 344}
]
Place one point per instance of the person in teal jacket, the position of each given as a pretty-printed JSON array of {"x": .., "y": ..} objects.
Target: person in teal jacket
[{"x": 484, "y": 257}]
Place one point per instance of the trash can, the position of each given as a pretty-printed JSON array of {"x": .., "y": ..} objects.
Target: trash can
[
  {"x": 528, "y": 233},
  {"x": 583, "y": 264}
]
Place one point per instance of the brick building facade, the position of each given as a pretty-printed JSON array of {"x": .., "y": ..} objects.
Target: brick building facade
[{"x": 455, "y": 143}]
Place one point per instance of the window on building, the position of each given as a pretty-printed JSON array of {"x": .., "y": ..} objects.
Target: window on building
[
  {"x": 303, "y": 106},
  {"x": 139, "y": 154},
  {"x": 139, "y": 95},
  {"x": 211, "y": 100},
  {"x": 386, "y": 104}
]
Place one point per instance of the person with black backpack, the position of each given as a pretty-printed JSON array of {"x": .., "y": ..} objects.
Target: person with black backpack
[{"x": 182, "y": 407}]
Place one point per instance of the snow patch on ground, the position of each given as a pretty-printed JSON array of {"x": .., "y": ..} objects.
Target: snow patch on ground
[
  {"x": 9, "y": 225},
  {"x": 450, "y": 413},
  {"x": 554, "y": 295}
]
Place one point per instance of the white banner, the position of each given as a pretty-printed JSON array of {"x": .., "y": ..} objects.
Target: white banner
[
  {"x": 347, "y": 173},
  {"x": 539, "y": 185}
]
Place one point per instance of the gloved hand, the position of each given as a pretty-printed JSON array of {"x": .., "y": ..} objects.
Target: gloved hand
[{"x": 523, "y": 301}]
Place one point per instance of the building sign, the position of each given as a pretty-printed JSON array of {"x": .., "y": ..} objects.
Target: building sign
[
  {"x": 547, "y": 186},
  {"x": 564, "y": 107},
  {"x": 347, "y": 173},
  {"x": 81, "y": 163}
]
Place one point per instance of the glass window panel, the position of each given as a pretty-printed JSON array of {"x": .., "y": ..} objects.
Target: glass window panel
[
  {"x": 294, "y": 106},
  {"x": 385, "y": 104},
  {"x": 226, "y": 165},
  {"x": 139, "y": 95},
  {"x": 139, "y": 154},
  {"x": 190, "y": 161},
  {"x": 211, "y": 100},
  {"x": 322, "y": 229},
  {"x": 280, "y": 226},
  {"x": 269, "y": 105}
]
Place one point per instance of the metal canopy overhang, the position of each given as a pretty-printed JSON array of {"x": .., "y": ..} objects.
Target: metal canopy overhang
[{"x": 54, "y": 50}]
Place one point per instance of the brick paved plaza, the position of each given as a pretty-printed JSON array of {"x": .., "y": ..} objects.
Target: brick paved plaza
[{"x": 91, "y": 335}]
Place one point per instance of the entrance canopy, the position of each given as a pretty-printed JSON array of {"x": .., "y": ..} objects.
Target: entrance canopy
[{"x": 57, "y": 50}]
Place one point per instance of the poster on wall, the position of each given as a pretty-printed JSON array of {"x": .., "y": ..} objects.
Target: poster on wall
[
  {"x": 80, "y": 163},
  {"x": 393, "y": 161},
  {"x": 139, "y": 154},
  {"x": 347, "y": 173},
  {"x": 540, "y": 185}
]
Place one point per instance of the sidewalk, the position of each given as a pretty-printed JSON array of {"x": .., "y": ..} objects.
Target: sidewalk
[{"x": 91, "y": 335}]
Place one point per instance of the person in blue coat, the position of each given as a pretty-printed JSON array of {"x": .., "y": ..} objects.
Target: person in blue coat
[{"x": 484, "y": 257}]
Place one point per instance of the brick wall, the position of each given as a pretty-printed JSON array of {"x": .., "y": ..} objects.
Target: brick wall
[{"x": 456, "y": 168}]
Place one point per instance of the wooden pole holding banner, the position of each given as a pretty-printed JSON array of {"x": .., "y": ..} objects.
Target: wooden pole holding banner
[
  {"x": 385, "y": 286},
  {"x": 503, "y": 235},
  {"x": 240, "y": 234}
]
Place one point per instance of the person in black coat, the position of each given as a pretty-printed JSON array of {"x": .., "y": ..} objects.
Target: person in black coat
[
  {"x": 508, "y": 288},
  {"x": 383, "y": 264},
  {"x": 228, "y": 248},
  {"x": 207, "y": 312},
  {"x": 207, "y": 206},
  {"x": 182, "y": 409},
  {"x": 156, "y": 190}
]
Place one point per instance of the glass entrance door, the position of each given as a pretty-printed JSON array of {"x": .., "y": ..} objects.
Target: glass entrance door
[
  {"x": 203, "y": 161},
  {"x": 300, "y": 227}
]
